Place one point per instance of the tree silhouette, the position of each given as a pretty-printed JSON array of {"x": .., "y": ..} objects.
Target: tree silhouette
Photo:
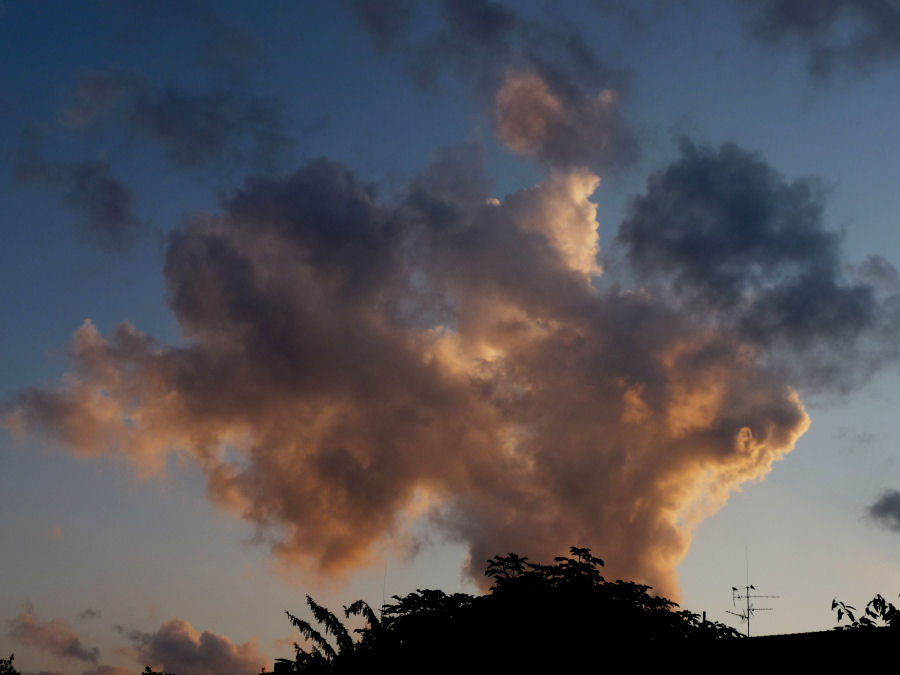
[
  {"x": 323, "y": 656},
  {"x": 878, "y": 613},
  {"x": 534, "y": 616},
  {"x": 6, "y": 666}
]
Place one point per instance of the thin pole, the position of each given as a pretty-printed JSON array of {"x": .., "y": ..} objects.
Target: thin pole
[{"x": 747, "y": 588}]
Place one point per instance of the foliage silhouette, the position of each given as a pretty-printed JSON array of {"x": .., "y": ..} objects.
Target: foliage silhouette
[
  {"x": 534, "y": 614},
  {"x": 879, "y": 613},
  {"x": 6, "y": 666},
  {"x": 149, "y": 671}
]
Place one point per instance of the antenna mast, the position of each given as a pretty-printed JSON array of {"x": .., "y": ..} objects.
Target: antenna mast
[{"x": 744, "y": 593}]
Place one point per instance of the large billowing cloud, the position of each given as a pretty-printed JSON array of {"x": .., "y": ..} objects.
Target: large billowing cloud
[
  {"x": 838, "y": 34},
  {"x": 350, "y": 364},
  {"x": 54, "y": 636},
  {"x": 178, "y": 647}
]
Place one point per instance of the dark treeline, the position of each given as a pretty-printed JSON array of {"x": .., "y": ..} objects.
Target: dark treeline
[
  {"x": 555, "y": 617},
  {"x": 535, "y": 615}
]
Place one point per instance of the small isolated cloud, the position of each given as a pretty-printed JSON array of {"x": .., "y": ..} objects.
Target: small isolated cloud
[
  {"x": 54, "y": 636},
  {"x": 855, "y": 437},
  {"x": 106, "y": 204},
  {"x": 180, "y": 648},
  {"x": 837, "y": 34},
  {"x": 90, "y": 613},
  {"x": 886, "y": 510}
]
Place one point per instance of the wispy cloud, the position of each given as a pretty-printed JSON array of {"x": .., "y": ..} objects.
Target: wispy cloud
[
  {"x": 838, "y": 35},
  {"x": 197, "y": 127},
  {"x": 106, "y": 204}
]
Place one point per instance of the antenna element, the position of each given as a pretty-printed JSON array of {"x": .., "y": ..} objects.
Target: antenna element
[{"x": 744, "y": 593}]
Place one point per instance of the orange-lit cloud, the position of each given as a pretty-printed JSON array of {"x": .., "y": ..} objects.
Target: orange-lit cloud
[
  {"x": 566, "y": 127},
  {"x": 180, "y": 648},
  {"x": 350, "y": 365},
  {"x": 54, "y": 636},
  {"x": 108, "y": 670}
]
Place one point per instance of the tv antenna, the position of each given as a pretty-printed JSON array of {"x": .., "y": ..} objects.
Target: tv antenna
[{"x": 747, "y": 594}]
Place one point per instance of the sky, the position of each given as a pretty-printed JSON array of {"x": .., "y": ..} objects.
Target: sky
[{"x": 345, "y": 298}]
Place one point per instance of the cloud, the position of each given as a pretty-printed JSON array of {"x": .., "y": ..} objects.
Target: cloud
[
  {"x": 108, "y": 670},
  {"x": 729, "y": 238},
  {"x": 838, "y": 34},
  {"x": 547, "y": 91},
  {"x": 877, "y": 272},
  {"x": 562, "y": 128},
  {"x": 224, "y": 46},
  {"x": 450, "y": 356},
  {"x": 90, "y": 613},
  {"x": 54, "y": 636},
  {"x": 384, "y": 21},
  {"x": 106, "y": 204},
  {"x": 180, "y": 648},
  {"x": 886, "y": 510},
  {"x": 217, "y": 126}
]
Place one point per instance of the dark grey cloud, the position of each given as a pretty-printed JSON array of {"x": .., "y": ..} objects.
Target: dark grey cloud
[
  {"x": 223, "y": 45},
  {"x": 838, "y": 34},
  {"x": 886, "y": 510},
  {"x": 733, "y": 240},
  {"x": 385, "y": 21},
  {"x": 877, "y": 272},
  {"x": 220, "y": 126},
  {"x": 212, "y": 126},
  {"x": 549, "y": 93},
  {"x": 90, "y": 613},
  {"x": 107, "y": 206},
  {"x": 54, "y": 636}
]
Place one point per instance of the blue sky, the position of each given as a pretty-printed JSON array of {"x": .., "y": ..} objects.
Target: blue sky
[{"x": 402, "y": 329}]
